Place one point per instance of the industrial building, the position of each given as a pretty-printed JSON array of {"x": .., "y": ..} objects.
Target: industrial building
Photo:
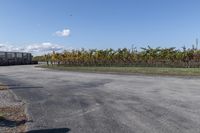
[{"x": 15, "y": 58}]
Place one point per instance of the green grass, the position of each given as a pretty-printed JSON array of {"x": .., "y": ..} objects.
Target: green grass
[{"x": 132, "y": 70}]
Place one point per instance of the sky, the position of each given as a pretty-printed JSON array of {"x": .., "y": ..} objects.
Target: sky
[{"x": 40, "y": 26}]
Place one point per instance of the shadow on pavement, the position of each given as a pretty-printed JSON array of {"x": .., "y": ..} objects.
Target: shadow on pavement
[
  {"x": 9, "y": 123},
  {"x": 26, "y": 87},
  {"x": 55, "y": 130}
]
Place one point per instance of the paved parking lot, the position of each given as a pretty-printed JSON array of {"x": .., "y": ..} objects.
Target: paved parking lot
[{"x": 103, "y": 103}]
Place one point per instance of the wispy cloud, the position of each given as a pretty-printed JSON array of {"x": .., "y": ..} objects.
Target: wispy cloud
[
  {"x": 7, "y": 47},
  {"x": 37, "y": 48},
  {"x": 64, "y": 33},
  {"x": 43, "y": 47}
]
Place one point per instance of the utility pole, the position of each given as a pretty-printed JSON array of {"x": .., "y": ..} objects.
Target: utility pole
[
  {"x": 132, "y": 46},
  {"x": 197, "y": 43}
]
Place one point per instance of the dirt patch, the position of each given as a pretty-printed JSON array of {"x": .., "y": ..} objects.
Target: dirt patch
[
  {"x": 12, "y": 114},
  {"x": 13, "y": 119},
  {"x": 3, "y": 87}
]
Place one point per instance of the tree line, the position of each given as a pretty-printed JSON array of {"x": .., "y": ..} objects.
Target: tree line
[{"x": 147, "y": 57}]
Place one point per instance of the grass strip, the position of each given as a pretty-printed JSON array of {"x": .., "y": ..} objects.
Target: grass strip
[{"x": 131, "y": 70}]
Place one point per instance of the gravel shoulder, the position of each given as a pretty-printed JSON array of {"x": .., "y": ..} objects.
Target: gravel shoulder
[{"x": 12, "y": 112}]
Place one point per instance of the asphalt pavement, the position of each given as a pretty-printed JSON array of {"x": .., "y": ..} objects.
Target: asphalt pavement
[{"x": 78, "y": 102}]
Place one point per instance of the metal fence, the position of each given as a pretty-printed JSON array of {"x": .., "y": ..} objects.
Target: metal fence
[{"x": 15, "y": 58}]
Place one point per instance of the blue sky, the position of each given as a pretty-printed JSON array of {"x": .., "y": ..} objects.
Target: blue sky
[{"x": 99, "y": 23}]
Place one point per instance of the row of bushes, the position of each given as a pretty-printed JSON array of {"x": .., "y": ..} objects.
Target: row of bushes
[{"x": 148, "y": 57}]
